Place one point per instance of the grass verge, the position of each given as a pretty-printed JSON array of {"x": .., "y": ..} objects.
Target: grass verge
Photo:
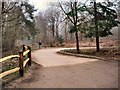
[{"x": 104, "y": 54}]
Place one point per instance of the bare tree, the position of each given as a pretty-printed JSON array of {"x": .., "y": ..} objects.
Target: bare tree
[
  {"x": 72, "y": 15},
  {"x": 41, "y": 25},
  {"x": 53, "y": 17}
]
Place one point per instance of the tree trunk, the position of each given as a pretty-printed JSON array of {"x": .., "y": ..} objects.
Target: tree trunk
[
  {"x": 53, "y": 32},
  {"x": 57, "y": 34},
  {"x": 71, "y": 37},
  {"x": 119, "y": 27},
  {"x": 1, "y": 25},
  {"x": 45, "y": 37},
  {"x": 66, "y": 36},
  {"x": 77, "y": 42},
  {"x": 96, "y": 27},
  {"x": 75, "y": 24}
]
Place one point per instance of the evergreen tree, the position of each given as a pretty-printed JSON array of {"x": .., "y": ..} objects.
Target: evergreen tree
[{"x": 106, "y": 20}]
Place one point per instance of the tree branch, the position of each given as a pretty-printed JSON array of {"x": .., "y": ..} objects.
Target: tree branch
[
  {"x": 66, "y": 13},
  {"x": 12, "y": 19},
  {"x": 73, "y": 12},
  {"x": 7, "y": 10}
]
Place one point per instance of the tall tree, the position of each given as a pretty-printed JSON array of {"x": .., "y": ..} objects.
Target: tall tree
[
  {"x": 96, "y": 27},
  {"x": 105, "y": 18},
  {"x": 17, "y": 19},
  {"x": 72, "y": 15}
]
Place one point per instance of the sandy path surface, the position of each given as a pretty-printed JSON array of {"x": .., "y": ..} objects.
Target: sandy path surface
[
  {"x": 68, "y": 72},
  {"x": 49, "y": 58}
]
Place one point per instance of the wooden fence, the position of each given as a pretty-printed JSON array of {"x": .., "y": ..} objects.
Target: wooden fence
[{"x": 22, "y": 62}]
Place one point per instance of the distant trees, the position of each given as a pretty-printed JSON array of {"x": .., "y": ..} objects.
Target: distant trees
[
  {"x": 95, "y": 20},
  {"x": 49, "y": 24},
  {"x": 92, "y": 19},
  {"x": 41, "y": 25},
  {"x": 53, "y": 17}
]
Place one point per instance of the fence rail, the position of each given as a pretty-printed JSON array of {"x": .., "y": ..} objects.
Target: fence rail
[
  {"x": 8, "y": 57},
  {"x": 22, "y": 62}
]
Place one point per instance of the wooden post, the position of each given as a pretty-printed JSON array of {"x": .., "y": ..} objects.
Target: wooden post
[
  {"x": 23, "y": 48},
  {"x": 29, "y": 56},
  {"x": 21, "y": 71}
]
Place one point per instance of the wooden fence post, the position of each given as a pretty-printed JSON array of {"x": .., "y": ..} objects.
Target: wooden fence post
[
  {"x": 21, "y": 71},
  {"x": 29, "y": 56},
  {"x": 23, "y": 48}
]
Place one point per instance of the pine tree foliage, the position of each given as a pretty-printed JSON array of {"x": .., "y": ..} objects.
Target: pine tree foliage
[{"x": 107, "y": 19}]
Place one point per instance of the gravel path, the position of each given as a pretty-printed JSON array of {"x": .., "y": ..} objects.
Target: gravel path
[{"x": 60, "y": 71}]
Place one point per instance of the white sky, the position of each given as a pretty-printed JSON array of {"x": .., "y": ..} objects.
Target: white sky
[{"x": 41, "y": 5}]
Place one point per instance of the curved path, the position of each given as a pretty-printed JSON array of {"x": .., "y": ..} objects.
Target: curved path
[
  {"x": 61, "y": 71},
  {"x": 49, "y": 58}
]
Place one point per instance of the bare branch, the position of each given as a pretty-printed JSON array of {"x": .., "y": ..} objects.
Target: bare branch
[
  {"x": 65, "y": 13},
  {"x": 7, "y": 10},
  {"x": 73, "y": 12},
  {"x": 12, "y": 19}
]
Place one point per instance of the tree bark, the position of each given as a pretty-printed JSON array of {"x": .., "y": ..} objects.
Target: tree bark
[
  {"x": 96, "y": 27},
  {"x": 119, "y": 27},
  {"x": 66, "y": 36},
  {"x": 57, "y": 34},
  {"x": 77, "y": 41},
  {"x": 1, "y": 27},
  {"x": 76, "y": 33}
]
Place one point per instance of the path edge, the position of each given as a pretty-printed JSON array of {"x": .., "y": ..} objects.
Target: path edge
[{"x": 82, "y": 55}]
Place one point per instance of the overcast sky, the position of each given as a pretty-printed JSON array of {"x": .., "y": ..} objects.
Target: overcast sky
[{"x": 41, "y": 5}]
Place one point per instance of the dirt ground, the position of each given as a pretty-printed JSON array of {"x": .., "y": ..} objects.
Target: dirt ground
[
  {"x": 60, "y": 71},
  {"x": 99, "y": 74}
]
